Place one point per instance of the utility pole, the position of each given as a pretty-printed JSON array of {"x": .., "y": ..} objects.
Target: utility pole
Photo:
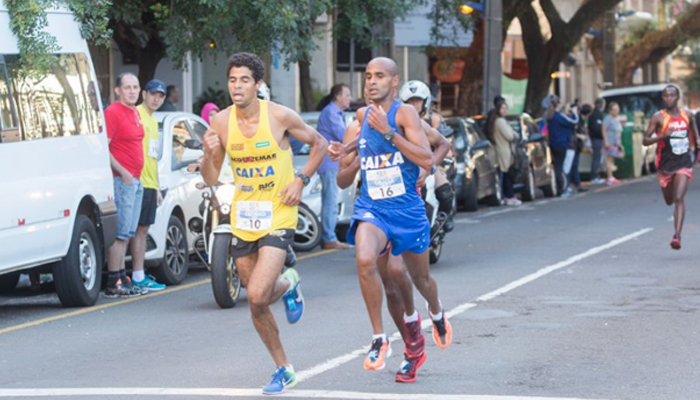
[
  {"x": 609, "y": 56},
  {"x": 493, "y": 40}
]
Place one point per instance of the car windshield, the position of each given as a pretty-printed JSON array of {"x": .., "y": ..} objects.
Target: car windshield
[{"x": 648, "y": 103}]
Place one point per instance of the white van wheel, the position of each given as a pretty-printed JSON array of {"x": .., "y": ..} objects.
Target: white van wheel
[{"x": 78, "y": 274}]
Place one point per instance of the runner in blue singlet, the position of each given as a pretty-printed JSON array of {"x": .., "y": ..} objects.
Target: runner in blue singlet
[{"x": 389, "y": 212}]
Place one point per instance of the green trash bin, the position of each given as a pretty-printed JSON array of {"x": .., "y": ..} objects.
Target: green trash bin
[{"x": 625, "y": 165}]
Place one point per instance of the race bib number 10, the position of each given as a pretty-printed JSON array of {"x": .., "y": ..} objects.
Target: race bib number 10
[
  {"x": 385, "y": 183},
  {"x": 253, "y": 215}
]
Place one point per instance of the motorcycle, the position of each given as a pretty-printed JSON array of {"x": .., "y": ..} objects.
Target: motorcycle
[
  {"x": 213, "y": 246},
  {"x": 437, "y": 218}
]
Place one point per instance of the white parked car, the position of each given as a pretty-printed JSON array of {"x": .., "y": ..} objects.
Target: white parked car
[
  {"x": 170, "y": 242},
  {"x": 308, "y": 233},
  {"x": 58, "y": 214}
]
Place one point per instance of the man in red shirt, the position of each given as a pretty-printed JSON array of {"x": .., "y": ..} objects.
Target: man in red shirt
[{"x": 125, "y": 133}]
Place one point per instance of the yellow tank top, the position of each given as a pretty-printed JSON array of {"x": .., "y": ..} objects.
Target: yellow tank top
[{"x": 261, "y": 170}]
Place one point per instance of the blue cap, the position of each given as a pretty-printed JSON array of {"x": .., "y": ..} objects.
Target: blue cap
[{"x": 155, "y": 86}]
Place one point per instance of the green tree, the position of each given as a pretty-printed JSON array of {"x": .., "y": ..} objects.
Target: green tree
[
  {"x": 28, "y": 20},
  {"x": 545, "y": 54}
]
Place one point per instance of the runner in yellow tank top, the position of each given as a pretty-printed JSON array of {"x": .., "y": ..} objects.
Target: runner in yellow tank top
[
  {"x": 264, "y": 212},
  {"x": 261, "y": 171}
]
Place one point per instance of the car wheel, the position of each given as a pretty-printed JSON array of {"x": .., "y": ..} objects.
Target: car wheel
[
  {"x": 530, "y": 191},
  {"x": 496, "y": 199},
  {"x": 551, "y": 189},
  {"x": 225, "y": 281},
  {"x": 308, "y": 232},
  {"x": 8, "y": 282},
  {"x": 471, "y": 196},
  {"x": 175, "y": 263},
  {"x": 78, "y": 275}
]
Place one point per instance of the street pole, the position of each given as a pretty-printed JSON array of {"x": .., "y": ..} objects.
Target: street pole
[
  {"x": 352, "y": 68},
  {"x": 493, "y": 39},
  {"x": 609, "y": 59}
]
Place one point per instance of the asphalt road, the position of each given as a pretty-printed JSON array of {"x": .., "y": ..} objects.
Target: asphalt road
[{"x": 578, "y": 298}]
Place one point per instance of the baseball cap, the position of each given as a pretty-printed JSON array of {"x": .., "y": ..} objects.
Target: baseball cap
[{"x": 155, "y": 86}]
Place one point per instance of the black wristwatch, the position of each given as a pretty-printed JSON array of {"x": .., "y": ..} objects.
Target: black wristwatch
[
  {"x": 389, "y": 135},
  {"x": 304, "y": 179}
]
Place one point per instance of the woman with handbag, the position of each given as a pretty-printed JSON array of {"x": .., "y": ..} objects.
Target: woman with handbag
[
  {"x": 503, "y": 137},
  {"x": 612, "y": 136}
]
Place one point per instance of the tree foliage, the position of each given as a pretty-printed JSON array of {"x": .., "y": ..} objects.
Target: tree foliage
[
  {"x": 653, "y": 45},
  {"x": 28, "y": 21},
  {"x": 545, "y": 54}
]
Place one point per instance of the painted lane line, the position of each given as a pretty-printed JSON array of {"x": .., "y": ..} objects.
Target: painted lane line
[
  {"x": 563, "y": 264},
  {"x": 232, "y": 392},
  {"x": 149, "y": 295},
  {"x": 338, "y": 361}
]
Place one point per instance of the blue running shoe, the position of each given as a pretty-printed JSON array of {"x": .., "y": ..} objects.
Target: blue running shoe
[
  {"x": 282, "y": 378},
  {"x": 149, "y": 284},
  {"x": 293, "y": 299}
]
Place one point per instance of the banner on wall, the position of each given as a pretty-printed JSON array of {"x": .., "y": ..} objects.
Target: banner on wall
[{"x": 514, "y": 93}]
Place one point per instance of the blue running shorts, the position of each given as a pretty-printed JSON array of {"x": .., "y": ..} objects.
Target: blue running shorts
[{"x": 406, "y": 229}]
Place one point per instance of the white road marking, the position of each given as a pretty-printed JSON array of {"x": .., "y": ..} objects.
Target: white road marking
[
  {"x": 467, "y": 221},
  {"x": 233, "y": 392},
  {"x": 338, "y": 361}
]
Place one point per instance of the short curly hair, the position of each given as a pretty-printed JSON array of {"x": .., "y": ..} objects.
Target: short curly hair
[{"x": 249, "y": 60}]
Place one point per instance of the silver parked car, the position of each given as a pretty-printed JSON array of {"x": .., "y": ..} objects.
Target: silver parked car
[{"x": 308, "y": 234}]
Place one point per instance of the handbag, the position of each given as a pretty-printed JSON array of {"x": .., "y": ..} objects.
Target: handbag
[{"x": 521, "y": 162}]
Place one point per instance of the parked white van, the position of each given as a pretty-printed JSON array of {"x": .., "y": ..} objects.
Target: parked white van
[{"x": 58, "y": 213}]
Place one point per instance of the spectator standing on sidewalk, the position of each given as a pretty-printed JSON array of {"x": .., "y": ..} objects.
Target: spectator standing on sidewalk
[
  {"x": 209, "y": 111},
  {"x": 331, "y": 124},
  {"x": 125, "y": 133},
  {"x": 153, "y": 96},
  {"x": 579, "y": 144},
  {"x": 503, "y": 138},
  {"x": 561, "y": 128},
  {"x": 612, "y": 134},
  {"x": 595, "y": 132},
  {"x": 172, "y": 97}
]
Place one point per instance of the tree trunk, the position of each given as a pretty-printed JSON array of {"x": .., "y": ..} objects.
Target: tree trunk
[
  {"x": 540, "y": 78},
  {"x": 472, "y": 82},
  {"x": 307, "y": 92}
]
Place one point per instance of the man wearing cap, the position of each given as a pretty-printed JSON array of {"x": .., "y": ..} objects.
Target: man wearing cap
[{"x": 153, "y": 97}]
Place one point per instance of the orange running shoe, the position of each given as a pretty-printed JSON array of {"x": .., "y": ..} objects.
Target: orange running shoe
[
  {"x": 378, "y": 353},
  {"x": 442, "y": 332}
]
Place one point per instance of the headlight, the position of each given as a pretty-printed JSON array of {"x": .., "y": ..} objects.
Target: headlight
[
  {"x": 317, "y": 186},
  {"x": 224, "y": 194},
  {"x": 460, "y": 144}
]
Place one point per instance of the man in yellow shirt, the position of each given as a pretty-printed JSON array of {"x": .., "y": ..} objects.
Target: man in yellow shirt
[{"x": 153, "y": 97}]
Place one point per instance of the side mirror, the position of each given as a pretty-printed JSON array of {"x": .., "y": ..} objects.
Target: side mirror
[
  {"x": 482, "y": 145},
  {"x": 194, "y": 144}
]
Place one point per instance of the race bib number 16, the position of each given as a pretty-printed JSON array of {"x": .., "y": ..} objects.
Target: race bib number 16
[
  {"x": 253, "y": 215},
  {"x": 385, "y": 183}
]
